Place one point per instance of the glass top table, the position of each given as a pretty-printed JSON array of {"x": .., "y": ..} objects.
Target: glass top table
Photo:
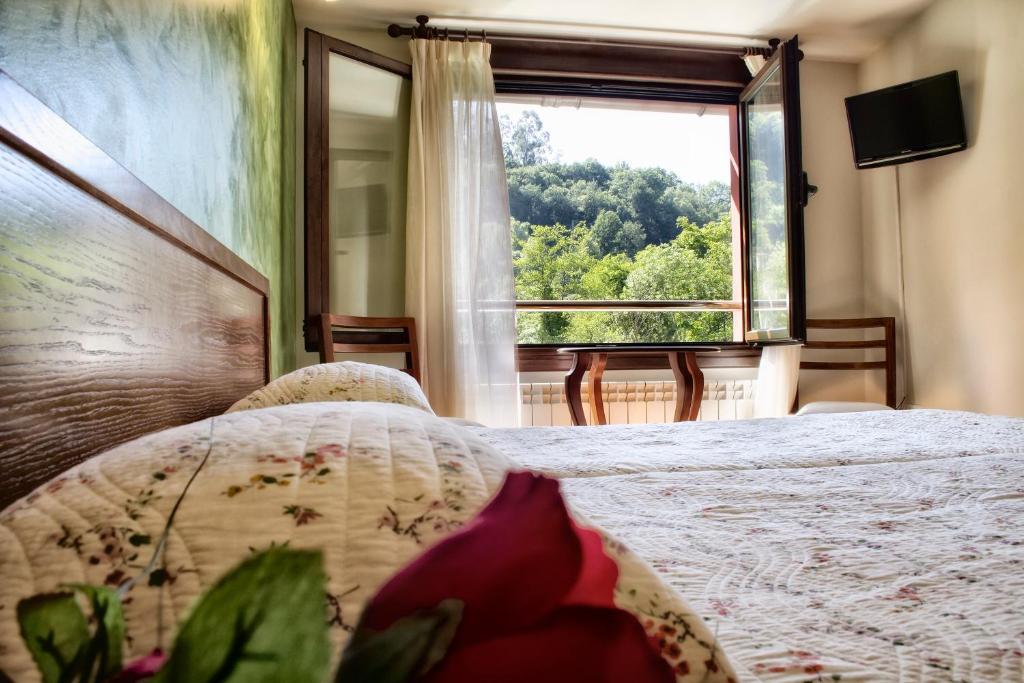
[{"x": 592, "y": 360}]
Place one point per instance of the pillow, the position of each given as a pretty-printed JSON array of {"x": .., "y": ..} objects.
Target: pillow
[
  {"x": 344, "y": 381},
  {"x": 371, "y": 484}
]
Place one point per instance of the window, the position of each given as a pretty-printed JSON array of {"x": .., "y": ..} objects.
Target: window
[
  {"x": 657, "y": 195},
  {"x": 625, "y": 232},
  {"x": 623, "y": 220}
]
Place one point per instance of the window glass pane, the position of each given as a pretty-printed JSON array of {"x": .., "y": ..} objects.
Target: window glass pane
[
  {"x": 619, "y": 200},
  {"x": 368, "y": 141},
  {"x": 623, "y": 327},
  {"x": 769, "y": 270}
]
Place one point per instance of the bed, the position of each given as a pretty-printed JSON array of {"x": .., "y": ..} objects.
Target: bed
[
  {"x": 869, "y": 546},
  {"x": 859, "y": 547}
]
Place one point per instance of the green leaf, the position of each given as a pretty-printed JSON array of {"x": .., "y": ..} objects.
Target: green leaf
[
  {"x": 263, "y": 621},
  {"x": 55, "y": 633},
  {"x": 109, "y": 637},
  {"x": 102, "y": 657},
  {"x": 403, "y": 652}
]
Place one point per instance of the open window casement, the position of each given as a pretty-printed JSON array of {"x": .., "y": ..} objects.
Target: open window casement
[{"x": 773, "y": 193}]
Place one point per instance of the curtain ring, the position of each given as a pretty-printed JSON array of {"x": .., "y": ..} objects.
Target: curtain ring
[
  {"x": 483, "y": 38},
  {"x": 465, "y": 37},
  {"x": 446, "y": 33}
]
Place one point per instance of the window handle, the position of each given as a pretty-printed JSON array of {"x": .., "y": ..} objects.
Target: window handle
[{"x": 806, "y": 190}]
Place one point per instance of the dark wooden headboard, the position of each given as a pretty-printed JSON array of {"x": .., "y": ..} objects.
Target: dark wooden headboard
[{"x": 120, "y": 316}]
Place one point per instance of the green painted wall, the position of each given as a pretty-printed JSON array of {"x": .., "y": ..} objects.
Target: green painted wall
[{"x": 195, "y": 97}]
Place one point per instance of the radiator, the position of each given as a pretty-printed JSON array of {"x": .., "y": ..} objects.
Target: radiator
[{"x": 543, "y": 403}]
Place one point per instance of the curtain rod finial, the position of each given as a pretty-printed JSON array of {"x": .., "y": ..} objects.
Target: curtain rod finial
[{"x": 394, "y": 30}]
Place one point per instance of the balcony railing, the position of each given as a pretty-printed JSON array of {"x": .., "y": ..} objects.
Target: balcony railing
[
  {"x": 617, "y": 305},
  {"x": 651, "y": 306}
]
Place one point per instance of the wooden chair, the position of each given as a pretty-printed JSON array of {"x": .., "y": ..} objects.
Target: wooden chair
[
  {"x": 887, "y": 343},
  {"x": 355, "y": 334}
]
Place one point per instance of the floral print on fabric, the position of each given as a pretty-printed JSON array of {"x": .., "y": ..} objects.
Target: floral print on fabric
[
  {"x": 371, "y": 484},
  {"x": 342, "y": 381}
]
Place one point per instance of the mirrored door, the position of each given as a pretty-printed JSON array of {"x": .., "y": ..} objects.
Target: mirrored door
[{"x": 357, "y": 119}]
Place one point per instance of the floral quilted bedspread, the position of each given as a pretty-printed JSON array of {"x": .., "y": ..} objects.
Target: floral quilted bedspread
[
  {"x": 882, "y": 546},
  {"x": 371, "y": 484}
]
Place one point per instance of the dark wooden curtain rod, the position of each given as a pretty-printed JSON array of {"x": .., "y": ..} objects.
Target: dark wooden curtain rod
[{"x": 422, "y": 31}]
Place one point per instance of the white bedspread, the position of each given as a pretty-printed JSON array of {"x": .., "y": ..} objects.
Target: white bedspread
[
  {"x": 370, "y": 484},
  {"x": 858, "y": 547}
]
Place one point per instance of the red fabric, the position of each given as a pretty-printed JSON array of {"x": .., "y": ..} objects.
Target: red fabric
[{"x": 537, "y": 592}]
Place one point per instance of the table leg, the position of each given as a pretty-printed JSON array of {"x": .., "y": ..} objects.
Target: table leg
[
  {"x": 573, "y": 380},
  {"x": 684, "y": 385},
  {"x": 597, "y": 365},
  {"x": 697, "y": 379}
]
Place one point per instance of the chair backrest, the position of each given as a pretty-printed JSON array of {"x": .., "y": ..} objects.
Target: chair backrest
[
  {"x": 887, "y": 343},
  {"x": 356, "y": 334}
]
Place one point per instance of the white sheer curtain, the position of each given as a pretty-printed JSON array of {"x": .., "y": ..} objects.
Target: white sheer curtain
[
  {"x": 459, "y": 282},
  {"x": 777, "y": 377}
]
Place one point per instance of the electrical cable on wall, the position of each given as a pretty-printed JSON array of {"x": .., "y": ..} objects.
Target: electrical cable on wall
[{"x": 903, "y": 292}]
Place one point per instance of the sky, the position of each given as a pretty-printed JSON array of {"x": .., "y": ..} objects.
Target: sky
[{"x": 696, "y": 148}]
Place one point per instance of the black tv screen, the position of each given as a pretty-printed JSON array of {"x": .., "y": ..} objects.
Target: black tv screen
[{"x": 915, "y": 120}]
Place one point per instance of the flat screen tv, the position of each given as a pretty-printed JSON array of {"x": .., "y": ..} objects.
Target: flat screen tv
[{"x": 915, "y": 120}]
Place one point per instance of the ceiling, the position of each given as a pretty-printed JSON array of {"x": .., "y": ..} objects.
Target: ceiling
[{"x": 844, "y": 30}]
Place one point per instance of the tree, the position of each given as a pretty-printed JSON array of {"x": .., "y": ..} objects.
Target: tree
[
  {"x": 584, "y": 231},
  {"x": 607, "y": 278},
  {"x": 607, "y": 228},
  {"x": 644, "y": 194},
  {"x": 713, "y": 200},
  {"x": 768, "y": 217},
  {"x": 696, "y": 265},
  {"x": 525, "y": 142},
  {"x": 614, "y": 236}
]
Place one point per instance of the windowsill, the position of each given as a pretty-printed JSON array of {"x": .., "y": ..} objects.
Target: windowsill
[
  {"x": 546, "y": 358},
  {"x": 568, "y": 345}
]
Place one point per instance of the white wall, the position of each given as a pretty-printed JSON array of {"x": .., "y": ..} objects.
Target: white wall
[
  {"x": 832, "y": 223},
  {"x": 961, "y": 214}
]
